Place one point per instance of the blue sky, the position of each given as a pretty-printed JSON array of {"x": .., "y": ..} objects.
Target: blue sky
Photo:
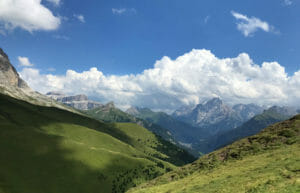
[
  {"x": 128, "y": 37},
  {"x": 132, "y": 41}
]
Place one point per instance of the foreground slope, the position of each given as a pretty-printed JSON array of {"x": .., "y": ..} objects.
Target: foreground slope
[
  {"x": 266, "y": 162},
  {"x": 50, "y": 150}
]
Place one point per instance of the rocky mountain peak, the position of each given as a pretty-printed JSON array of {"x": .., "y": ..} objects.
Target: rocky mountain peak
[
  {"x": 110, "y": 105},
  {"x": 3, "y": 54},
  {"x": 132, "y": 111},
  {"x": 216, "y": 115},
  {"x": 214, "y": 102},
  {"x": 9, "y": 77}
]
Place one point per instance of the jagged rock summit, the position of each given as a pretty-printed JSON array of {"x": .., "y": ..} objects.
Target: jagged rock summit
[
  {"x": 8, "y": 74},
  {"x": 215, "y": 115},
  {"x": 11, "y": 84}
]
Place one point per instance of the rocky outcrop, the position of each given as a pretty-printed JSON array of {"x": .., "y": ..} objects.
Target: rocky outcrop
[
  {"x": 80, "y": 102},
  {"x": 11, "y": 84},
  {"x": 8, "y": 74}
]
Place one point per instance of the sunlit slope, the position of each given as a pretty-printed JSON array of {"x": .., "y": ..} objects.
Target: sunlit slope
[
  {"x": 266, "y": 162},
  {"x": 154, "y": 146},
  {"x": 48, "y": 150}
]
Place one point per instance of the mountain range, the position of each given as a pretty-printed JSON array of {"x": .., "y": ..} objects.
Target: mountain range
[{"x": 215, "y": 116}]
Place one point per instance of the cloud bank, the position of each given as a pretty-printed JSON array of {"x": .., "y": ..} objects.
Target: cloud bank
[
  {"x": 248, "y": 26},
  {"x": 29, "y": 15},
  {"x": 187, "y": 80}
]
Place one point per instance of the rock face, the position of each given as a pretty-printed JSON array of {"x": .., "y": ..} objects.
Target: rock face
[
  {"x": 133, "y": 111},
  {"x": 216, "y": 116},
  {"x": 11, "y": 84},
  {"x": 8, "y": 74},
  {"x": 80, "y": 102}
]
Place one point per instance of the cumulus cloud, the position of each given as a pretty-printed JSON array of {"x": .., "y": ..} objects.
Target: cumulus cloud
[
  {"x": 29, "y": 15},
  {"x": 80, "y": 18},
  {"x": 24, "y": 61},
  {"x": 187, "y": 80},
  {"x": 248, "y": 26},
  {"x": 122, "y": 11}
]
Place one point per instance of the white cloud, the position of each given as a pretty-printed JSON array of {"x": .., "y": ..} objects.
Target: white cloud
[
  {"x": 80, "y": 18},
  {"x": 122, "y": 11},
  {"x": 248, "y": 26},
  {"x": 24, "y": 61},
  {"x": 187, "y": 80},
  {"x": 287, "y": 2},
  {"x": 29, "y": 15},
  {"x": 55, "y": 2}
]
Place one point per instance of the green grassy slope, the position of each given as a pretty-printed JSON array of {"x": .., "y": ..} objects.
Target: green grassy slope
[
  {"x": 181, "y": 131},
  {"x": 177, "y": 155},
  {"x": 48, "y": 150},
  {"x": 266, "y": 162},
  {"x": 112, "y": 114},
  {"x": 154, "y": 145}
]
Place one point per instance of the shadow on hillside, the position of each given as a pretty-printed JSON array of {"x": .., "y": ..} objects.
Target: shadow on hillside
[{"x": 32, "y": 161}]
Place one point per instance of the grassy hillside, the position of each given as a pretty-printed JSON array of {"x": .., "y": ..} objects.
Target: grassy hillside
[
  {"x": 48, "y": 150},
  {"x": 266, "y": 162},
  {"x": 155, "y": 146},
  {"x": 181, "y": 131},
  {"x": 109, "y": 114}
]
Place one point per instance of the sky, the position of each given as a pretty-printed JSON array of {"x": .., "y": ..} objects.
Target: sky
[{"x": 161, "y": 54}]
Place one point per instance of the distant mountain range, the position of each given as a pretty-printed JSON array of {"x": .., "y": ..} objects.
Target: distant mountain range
[
  {"x": 214, "y": 124},
  {"x": 251, "y": 127},
  {"x": 80, "y": 102},
  {"x": 215, "y": 116}
]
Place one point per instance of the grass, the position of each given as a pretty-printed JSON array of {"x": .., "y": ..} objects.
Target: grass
[
  {"x": 266, "y": 162},
  {"x": 48, "y": 150},
  {"x": 155, "y": 146},
  {"x": 162, "y": 141}
]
